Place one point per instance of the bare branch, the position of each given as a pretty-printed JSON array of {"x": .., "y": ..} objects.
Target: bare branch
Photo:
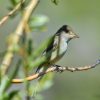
[
  {"x": 56, "y": 68},
  {"x": 18, "y": 33},
  {"x": 5, "y": 18}
]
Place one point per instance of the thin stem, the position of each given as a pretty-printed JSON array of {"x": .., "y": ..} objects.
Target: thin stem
[
  {"x": 18, "y": 33},
  {"x": 56, "y": 68},
  {"x": 6, "y": 17}
]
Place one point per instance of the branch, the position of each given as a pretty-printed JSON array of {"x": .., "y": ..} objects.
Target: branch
[
  {"x": 18, "y": 33},
  {"x": 56, "y": 68},
  {"x": 5, "y": 18}
]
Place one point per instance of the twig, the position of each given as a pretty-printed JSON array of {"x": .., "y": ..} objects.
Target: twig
[
  {"x": 5, "y": 18},
  {"x": 18, "y": 33},
  {"x": 56, "y": 68}
]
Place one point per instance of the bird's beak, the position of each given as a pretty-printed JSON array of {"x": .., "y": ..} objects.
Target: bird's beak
[
  {"x": 76, "y": 36},
  {"x": 73, "y": 35}
]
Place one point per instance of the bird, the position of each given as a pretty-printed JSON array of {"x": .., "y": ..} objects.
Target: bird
[{"x": 58, "y": 47}]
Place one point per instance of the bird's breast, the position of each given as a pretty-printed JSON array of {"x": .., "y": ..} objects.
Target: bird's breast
[{"x": 59, "y": 52}]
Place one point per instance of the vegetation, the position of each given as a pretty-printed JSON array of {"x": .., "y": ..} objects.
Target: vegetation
[{"x": 21, "y": 57}]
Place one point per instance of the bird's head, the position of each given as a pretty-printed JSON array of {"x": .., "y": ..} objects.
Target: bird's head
[{"x": 67, "y": 32}]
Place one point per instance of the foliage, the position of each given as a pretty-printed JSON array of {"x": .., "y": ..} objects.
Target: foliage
[
  {"x": 84, "y": 15},
  {"x": 55, "y": 1},
  {"x": 29, "y": 57}
]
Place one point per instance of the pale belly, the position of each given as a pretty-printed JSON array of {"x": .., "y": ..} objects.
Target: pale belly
[{"x": 58, "y": 54}]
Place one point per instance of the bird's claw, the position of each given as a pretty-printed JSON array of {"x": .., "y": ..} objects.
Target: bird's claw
[{"x": 58, "y": 68}]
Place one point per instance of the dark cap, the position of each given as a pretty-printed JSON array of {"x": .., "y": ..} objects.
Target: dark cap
[{"x": 63, "y": 28}]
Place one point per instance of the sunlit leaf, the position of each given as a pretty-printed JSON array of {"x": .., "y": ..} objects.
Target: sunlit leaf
[{"x": 38, "y": 22}]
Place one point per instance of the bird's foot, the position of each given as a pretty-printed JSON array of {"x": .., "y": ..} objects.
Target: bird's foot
[{"x": 58, "y": 68}]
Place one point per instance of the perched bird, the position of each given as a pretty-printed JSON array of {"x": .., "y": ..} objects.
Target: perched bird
[{"x": 58, "y": 46}]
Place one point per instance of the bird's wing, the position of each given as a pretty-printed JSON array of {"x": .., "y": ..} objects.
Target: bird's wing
[{"x": 53, "y": 46}]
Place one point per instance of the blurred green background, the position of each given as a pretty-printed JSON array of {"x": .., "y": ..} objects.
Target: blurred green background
[{"x": 84, "y": 17}]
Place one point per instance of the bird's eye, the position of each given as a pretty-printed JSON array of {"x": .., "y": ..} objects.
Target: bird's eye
[{"x": 66, "y": 30}]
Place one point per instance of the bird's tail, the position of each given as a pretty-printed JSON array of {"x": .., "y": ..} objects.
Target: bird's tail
[{"x": 40, "y": 70}]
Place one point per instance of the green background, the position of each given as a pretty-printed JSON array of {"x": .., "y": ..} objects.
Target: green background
[{"x": 84, "y": 17}]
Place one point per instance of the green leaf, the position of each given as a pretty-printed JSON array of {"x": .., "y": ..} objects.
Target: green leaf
[
  {"x": 42, "y": 47},
  {"x": 6, "y": 82},
  {"x": 3, "y": 85},
  {"x": 55, "y": 2},
  {"x": 46, "y": 82},
  {"x": 30, "y": 46},
  {"x": 38, "y": 22},
  {"x": 15, "y": 2},
  {"x": 9, "y": 96},
  {"x": 12, "y": 94},
  {"x": 36, "y": 59},
  {"x": 43, "y": 84},
  {"x": 4, "y": 96}
]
